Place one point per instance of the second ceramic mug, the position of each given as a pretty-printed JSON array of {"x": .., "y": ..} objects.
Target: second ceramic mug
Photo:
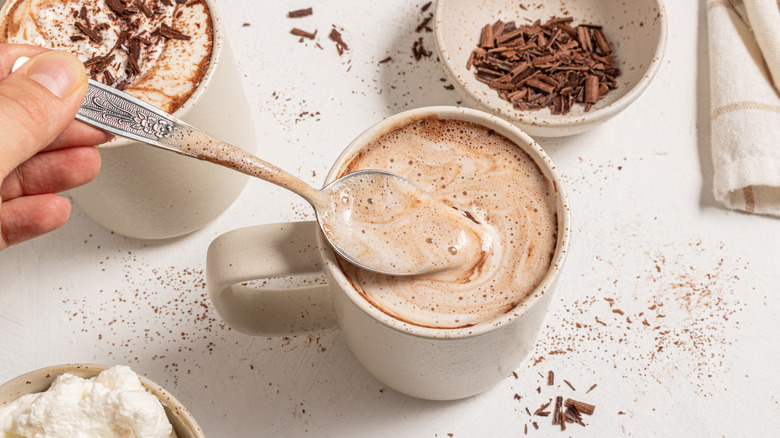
[
  {"x": 149, "y": 193},
  {"x": 424, "y": 362}
]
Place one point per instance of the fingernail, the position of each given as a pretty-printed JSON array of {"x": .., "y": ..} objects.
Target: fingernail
[{"x": 61, "y": 73}]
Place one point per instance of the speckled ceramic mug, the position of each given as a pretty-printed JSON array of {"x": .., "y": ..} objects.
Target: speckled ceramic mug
[
  {"x": 424, "y": 362},
  {"x": 148, "y": 193}
]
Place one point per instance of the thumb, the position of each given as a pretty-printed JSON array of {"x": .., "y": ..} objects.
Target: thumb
[{"x": 37, "y": 102}]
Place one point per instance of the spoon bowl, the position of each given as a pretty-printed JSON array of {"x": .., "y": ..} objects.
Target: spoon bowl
[{"x": 397, "y": 227}]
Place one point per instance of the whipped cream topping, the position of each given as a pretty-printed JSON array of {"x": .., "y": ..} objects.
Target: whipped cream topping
[
  {"x": 477, "y": 171},
  {"x": 111, "y": 404},
  {"x": 155, "y": 50}
]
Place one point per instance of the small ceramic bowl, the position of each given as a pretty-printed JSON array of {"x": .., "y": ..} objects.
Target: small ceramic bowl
[
  {"x": 40, "y": 380},
  {"x": 636, "y": 29}
]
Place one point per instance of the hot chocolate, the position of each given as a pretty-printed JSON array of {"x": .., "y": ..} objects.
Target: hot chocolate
[
  {"x": 156, "y": 50},
  {"x": 494, "y": 182}
]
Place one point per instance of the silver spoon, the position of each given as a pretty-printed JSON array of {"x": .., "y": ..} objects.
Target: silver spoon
[{"x": 374, "y": 219}]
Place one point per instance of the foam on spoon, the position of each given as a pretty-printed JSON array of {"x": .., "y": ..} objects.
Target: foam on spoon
[
  {"x": 397, "y": 227},
  {"x": 375, "y": 219}
]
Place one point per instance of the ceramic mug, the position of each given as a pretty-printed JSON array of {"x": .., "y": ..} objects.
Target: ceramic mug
[
  {"x": 424, "y": 362},
  {"x": 149, "y": 193}
]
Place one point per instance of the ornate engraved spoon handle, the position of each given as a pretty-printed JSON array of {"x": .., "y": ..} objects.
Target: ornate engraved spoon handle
[{"x": 122, "y": 114}]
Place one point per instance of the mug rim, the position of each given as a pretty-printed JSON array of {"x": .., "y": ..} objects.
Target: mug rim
[
  {"x": 524, "y": 142},
  {"x": 217, "y": 42}
]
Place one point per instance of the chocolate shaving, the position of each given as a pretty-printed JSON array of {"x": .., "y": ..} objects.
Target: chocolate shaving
[
  {"x": 144, "y": 9},
  {"x": 77, "y": 37},
  {"x": 572, "y": 415},
  {"x": 169, "y": 32},
  {"x": 545, "y": 65},
  {"x": 591, "y": 388},
  {"x": 134, "y": 54},
  {"x": 569, "y": 384},
  {"x": 550, "y": 378},
  {"x": 582, "y": 407},
  {"x": 542, "y": 410},
  {"x": 300, "y": 13},
  {"x": 90, "y": 33},
  {"x": 303, "y": 33},
  {"x": 425, "y": 7},
  {"x": 84, "y": 16},
  {"x": 116, "y": 6},
  {"x": 92, "y": 61},
  {"x": 108, "y": 77},
  {"x": 557, "y": 410},
  {"x": 424, "y": 24},
  {"x": 341, "y": 46},
  {"x": 419, "y": 51},
  {"x": 388, "y": 59}
]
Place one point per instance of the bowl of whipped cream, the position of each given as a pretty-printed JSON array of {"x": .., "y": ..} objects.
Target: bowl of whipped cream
[{"x": 87, "y": 400}]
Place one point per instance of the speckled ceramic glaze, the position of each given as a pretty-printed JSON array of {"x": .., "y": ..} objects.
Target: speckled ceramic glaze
[
  {"x": 40, "y": 380},
  {"x": 636, "y": 29}
]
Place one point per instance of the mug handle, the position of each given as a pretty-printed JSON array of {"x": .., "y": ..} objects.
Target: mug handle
[{"x": 265, "y": 252}]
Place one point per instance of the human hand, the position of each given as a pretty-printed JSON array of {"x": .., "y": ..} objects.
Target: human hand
[{"x": 43, "y": 151}]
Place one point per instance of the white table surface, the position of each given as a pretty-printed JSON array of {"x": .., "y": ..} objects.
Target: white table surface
[{"x": 648, "y": 232}]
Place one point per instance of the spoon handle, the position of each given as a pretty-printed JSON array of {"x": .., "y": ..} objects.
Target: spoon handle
[{"x": 121, "y": 114}]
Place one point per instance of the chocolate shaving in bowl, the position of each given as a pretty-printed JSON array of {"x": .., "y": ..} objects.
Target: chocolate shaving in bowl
[{"x": 545, "y": 65}]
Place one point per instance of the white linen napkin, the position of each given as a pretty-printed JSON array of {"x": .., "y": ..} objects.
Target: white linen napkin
[{"x": 744, "y": 43}]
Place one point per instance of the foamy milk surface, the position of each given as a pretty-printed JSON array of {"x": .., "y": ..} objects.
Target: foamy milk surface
[{"x": 479, "y": 172}]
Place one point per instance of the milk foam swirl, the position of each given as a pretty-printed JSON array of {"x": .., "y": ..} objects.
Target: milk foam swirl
[{"x": 480, "y": 172}]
